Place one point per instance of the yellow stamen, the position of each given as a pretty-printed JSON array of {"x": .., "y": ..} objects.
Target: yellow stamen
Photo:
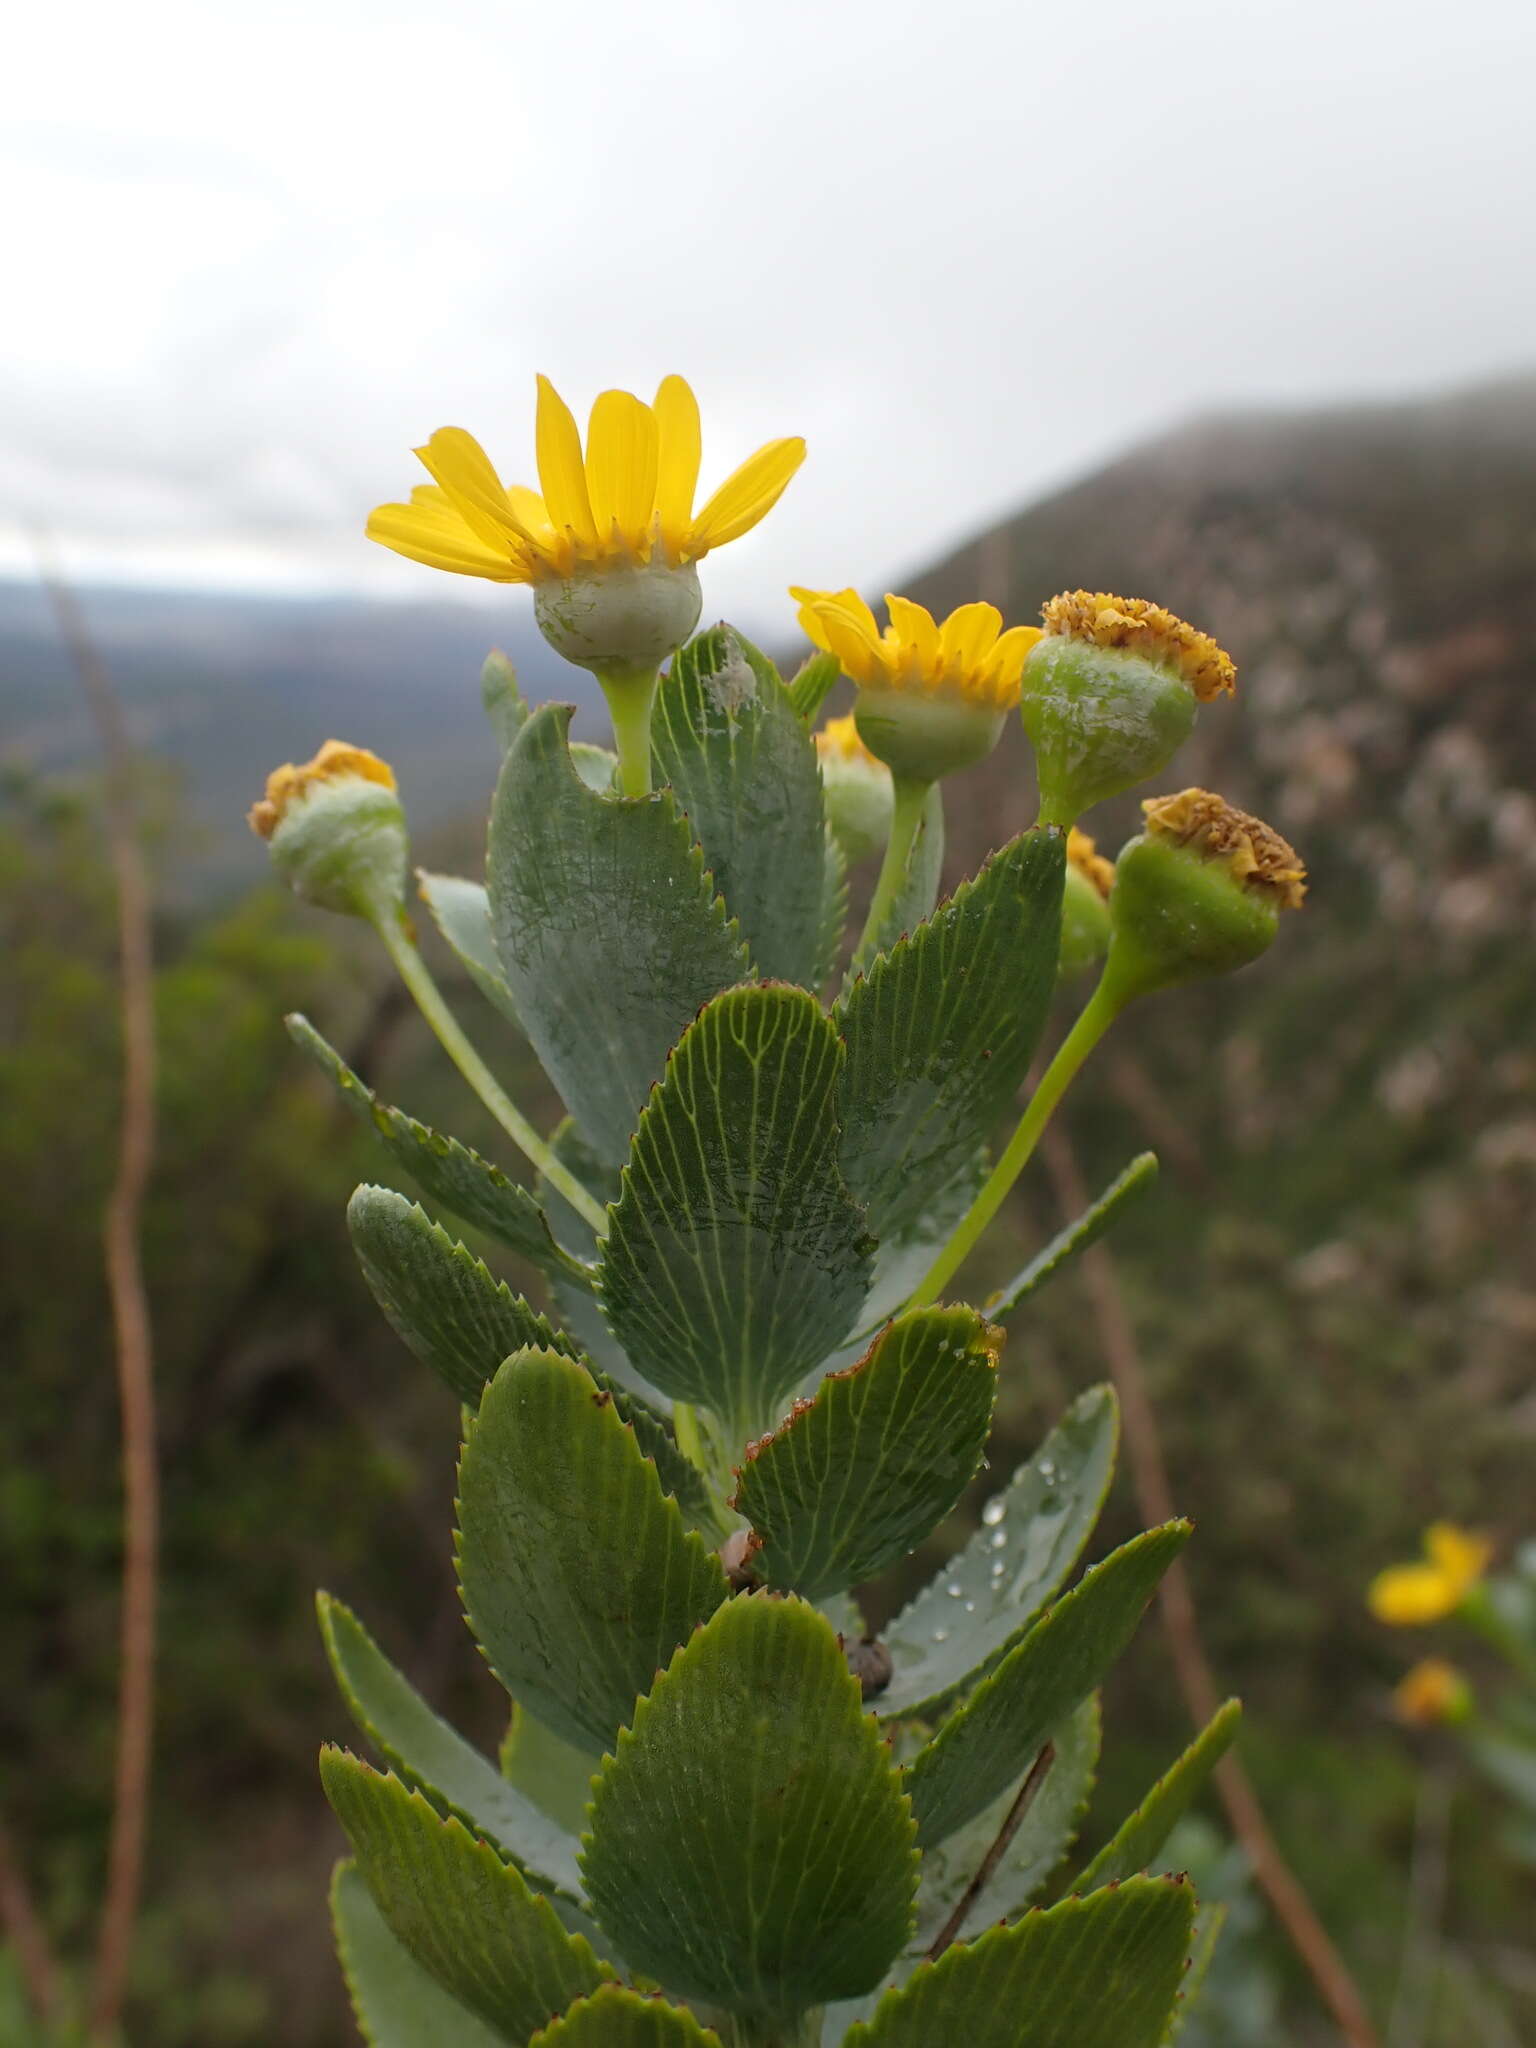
[
  {"x": 1107, "y": 621},
  {"x": 1254, "y": 851},
  {"x": 1082, "y": 851},
  {"x": 969, "y": 656},
  {"x": 334, "y": 763}
]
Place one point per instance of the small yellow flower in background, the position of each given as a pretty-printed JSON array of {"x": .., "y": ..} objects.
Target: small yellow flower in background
[
  {"x": 1084, "y": 856},
  {"x": 628, "y": 500},
  {"x": 336, "y": 831},
  {"x": 969, "y": 656},
  {"x": 1433, "y": 1694},
  {"x": 1085, "y": 919},
  {"x": 857, "y": 788},
  {"x": 335, "y": 762},
  {"x": 838, "y": 741},
  {"x": 1413, "y": 1595},
  {"x": 1254, "y": 852}
]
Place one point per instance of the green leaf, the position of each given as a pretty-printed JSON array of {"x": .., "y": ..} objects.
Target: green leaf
[
  {"x": 812, "y": 683},
  {"x": 396, "y": 2003},
  {"x": 919, "y": 890},
  {"x": 555, "y": 1775},
  {"x": 1086, "y": 1230},
  {"x": 1208, "y": 1929},
  {"x": 988, "y": 1741},
  {"x": 834, "y": 911},
  {"x": 578, "y": 1575},
  {"x": 854, "y": 1479},
  {"x": 465, "y": 1915},
  {"x": 941, "y": 1031},
  {"x": 1032, "y": 1533},
  {"x": 615, "y": 2017},
  {"x": 609, "y": 934},
  {"x": 1088, "y": 1973},
  {"x": 447, "y": 1172},
  {"x": 1042, "y": 1839},
  {"x": 736, "y": 1257},
  {"x": 575, "y": 1304},
  {"x": 743, "y": 767},
  {"x": 750, "y": 1844},
  {"x": 435, "y": 1758},
  {"x": 462, "y": 913},
  {"x": 1139, "y": 1838},
  {"x": 597, "y": 766},
  {"x": 504, "y": 702}
]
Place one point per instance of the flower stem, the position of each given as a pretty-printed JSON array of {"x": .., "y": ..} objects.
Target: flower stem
[
  {"x": 908, "y": 800},
  {"x": 416, "y": 975},
  {"x": 1098, "y": 1014},
  {"x": 631, "y": 692}
]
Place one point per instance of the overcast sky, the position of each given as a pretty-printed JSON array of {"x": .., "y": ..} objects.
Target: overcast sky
[{"x": 256, "y": 251}]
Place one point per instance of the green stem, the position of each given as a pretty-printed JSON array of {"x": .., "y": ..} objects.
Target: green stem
[
  {"x": 631, "y": 692},
  {"x": 1098, "y": 1014},
  {"x": 908, "y": 800},
  {"x": 401, "y": 948}
]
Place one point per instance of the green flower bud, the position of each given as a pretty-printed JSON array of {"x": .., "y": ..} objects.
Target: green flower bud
[
  {"x": 1085, "y": 924},
  {"x": 623, "y": 616},
  {"x": 858, "y": 790},
  {"x": 1200, "y": 892},
  {"x": 1109, "y": 696},
  {"x": 336, "y": 831},
  {"x": 923, "y": 738}
]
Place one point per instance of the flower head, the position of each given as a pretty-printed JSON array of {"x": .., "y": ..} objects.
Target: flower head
[
  {"x": 857, "y": 786},
  {"x": 1253, "y": 852},
  {"x": 336, "y": 830},
  {"x": 1413, "y": 1595},
  {"x": 1084, "y": 857},
  {"x": 1085, "y": 922},
  {"x": 627, "y": 500},
  {"x": 1101, "y": 620},
  {"x": 1433, "y": 1694}
]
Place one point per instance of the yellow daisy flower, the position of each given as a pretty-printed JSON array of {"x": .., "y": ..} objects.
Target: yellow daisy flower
[
  {"x": 1433, "y": 1694},
  {"x": 968, "y": 657},
  {"x": 1414, "y": 1595},
  {"x": 627, "y": 500}
]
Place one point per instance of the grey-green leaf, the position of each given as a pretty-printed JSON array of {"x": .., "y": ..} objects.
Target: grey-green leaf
[
  {"x": 1140, "y": 1837},
  {"x": 736, "y": 1257},
  {"x": 1103, "y": 1972},
  {"x": 505, "y": 705},
  {"x": 812, "y": 683},
  {"x": 941, "y": 1031},
  {"x": 578, "y": 1575},
  {"x": 727, "y": 737},
  {"x": 396, "y": 2003},
  {"x": 1087, "y": 1229},
  {"x": 462, "y": 913},
  {"x": 1032, "y": 1534},
  {"x": 465, "y": 1915},
  {"x": 616, "y": 2017},
  {"x": 1042, "y": 1839},
  {"x": 988, "y": 1740},
  {"x": 609, "y": 934},
  {"x": 436, "y": 1759},
  {"x": 448, "y": 1173},
  {"x": 750, "y": 1844},
  {"x": 855, "y": 1478},
  {"x": 1208, "y": 1930}
]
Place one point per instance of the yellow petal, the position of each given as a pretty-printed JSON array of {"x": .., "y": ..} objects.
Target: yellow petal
[
  {"x": 561, "y": 475},
  {"x": 810, "y": 624},
  {"x": 966, "y": 637},
  {"x": 679, "y": 444},
  {"x": 849, "y": 631},
  {"x": 916, "y": 630},
  {"x": 464, "y": 470},
  {"x": 621, "y": 467},
  {"x": 1413, "y": 1595},
  {"x": 414, "y": 531},
  {"x": 1456, "y": 1552},
  {"x": 747, "y": 496},
  {"x": 1005, "y": 664}
]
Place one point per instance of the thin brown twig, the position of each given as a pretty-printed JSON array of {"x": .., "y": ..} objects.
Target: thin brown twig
[
  {"x": 130, "y": 1314},
  {"x": 1154, "y": 1496},
  {"x": 987, "y": 1868},
  {"x": 26, "y": 1935}
]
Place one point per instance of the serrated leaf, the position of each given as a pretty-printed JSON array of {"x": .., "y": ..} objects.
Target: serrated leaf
[
  {"x": 578, "y": 1575},
  {"x": 1032, "y": 1534},
  {"x": 1087, "y": 1973},
  {"x": 396, "y": 2003},
  {"x": 447, "y": 1172},
  {"x": 727, "y": 737},
  {"x": 834, "y": 911},
  {"x": 441, "y": 1301},
  {"x": 576, "y": 1306},
  {"x": 463, "y": 1913},
  {"x": 812, "y": 683},
  {"x": 555, "y": 1775},
  {"x": 1143, "y": 1833},
  {"x": 941, "y": 1030},
  {"x": 750, "y": 1844},
  {"x": 989, "y": 1740},
  {"x": 435, "y": 1759},
  {"x": 462, "y": 913},
  {"x": 854, "y": 1479},
  {"x": 736, "y": 1257},
  {"x": 1087, "y": 1229},
  {"x": 919, "y": 887},
  {"x": 1043, "y": 1837},
  {"x": 615, "y": 2017},
  {"x": 609, "y": 934},
  {"x": 1208, "y": 1927},
  {"x": 505, "y": 705}
]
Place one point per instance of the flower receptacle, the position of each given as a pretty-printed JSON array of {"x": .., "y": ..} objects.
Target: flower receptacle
[
  {"x": 1100, "y": 719},
  {"x": 923, "y": 737},
  {"x": 623, "y": 615}
]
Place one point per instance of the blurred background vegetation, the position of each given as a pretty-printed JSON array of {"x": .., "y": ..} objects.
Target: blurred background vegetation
[{"x": 1332, "y": 1287}]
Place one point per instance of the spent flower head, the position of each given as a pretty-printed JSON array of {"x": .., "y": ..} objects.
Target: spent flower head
[
  {"x": 336, "y": 830},
  {"x": 1109, "y": 695},
  {"x": 932, "y": 697},
  {"x": 1434, "y": 1694},
  {"x": 859, "y": 797},
  {"x": 1434, "y": 1586}
]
